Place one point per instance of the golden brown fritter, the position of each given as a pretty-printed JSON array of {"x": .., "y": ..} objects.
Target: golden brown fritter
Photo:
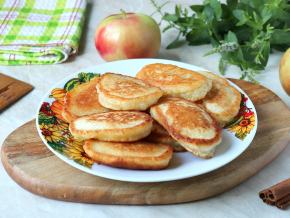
[
  {"x": 82, "y": 100},
  {"x": 119, "y": 92},
  {"x": 117, "y": 126},
  {"x": 193, "y": 127},
  {"x": 175, "y": 81},
  {"x": 131, "y": 155},
  {"x": 223, "y": 101}
]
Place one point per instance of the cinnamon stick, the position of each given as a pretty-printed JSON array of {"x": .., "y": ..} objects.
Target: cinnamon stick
[
  {"x": 267, "y": 201},
  {"x": 280, "y": 190},
  {"x": 264, "y": 195},
  {"x": 278, "y": 194},
  {"x": 283, "y": 202}
]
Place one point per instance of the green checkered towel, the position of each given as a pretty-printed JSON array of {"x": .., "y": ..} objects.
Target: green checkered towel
[{"x": 39, "y": 31}]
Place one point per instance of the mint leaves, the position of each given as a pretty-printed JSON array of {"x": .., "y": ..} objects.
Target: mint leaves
[{"x": 244, "y": 32}]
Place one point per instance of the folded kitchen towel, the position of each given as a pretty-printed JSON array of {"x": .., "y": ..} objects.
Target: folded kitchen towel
[{"x": 39, "y": 31}]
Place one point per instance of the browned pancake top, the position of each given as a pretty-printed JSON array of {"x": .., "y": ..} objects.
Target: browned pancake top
[
  {"x": 223, "y": 100},
  {"x": 139, "y": 148},
  {"x": 119, "y": 117},
  {"x": 125, "y": 86},
  {"x": 83, "y": 100},
  {"x": 86, "y": 99},
  {"x": 226, "y": 98},
  {"x": 192, "y": 115},
  {"x": 186, "y": 121},
  {"x": 167, "y": 75}
]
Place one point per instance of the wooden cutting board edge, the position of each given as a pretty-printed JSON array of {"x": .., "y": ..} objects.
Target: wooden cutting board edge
[{"x": 46, "y": 189}]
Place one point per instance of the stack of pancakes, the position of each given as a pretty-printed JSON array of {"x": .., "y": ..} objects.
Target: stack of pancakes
[{"x": 137, "y": 123}]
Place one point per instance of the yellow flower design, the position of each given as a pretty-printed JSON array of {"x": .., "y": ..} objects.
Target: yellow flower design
[
  {"x": 74, "y": 142},
  {"x": 50, "y": 133},
  {"x": 245, "y": 125},
  {"x": 61, "y": 125},
  {"x": 77, "y": 153}
]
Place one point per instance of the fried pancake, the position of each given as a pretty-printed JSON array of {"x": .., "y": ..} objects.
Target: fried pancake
[
  {"x": 116, "y": 126},
  {"x": 82, "y": 100},
  {"x": 160, "y": 135},
  {"x": 175, "y": 81},
  {"x": 131, "y": 155},
  {"x": 223, "y": 101},
  {"x": 119, "y": 92},
  {"x": 193, "y": 127}
]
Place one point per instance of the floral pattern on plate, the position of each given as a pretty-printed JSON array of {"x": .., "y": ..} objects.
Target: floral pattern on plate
[
  {"x": 244, "y": 122},
  {"x": 54, "y": 128}
]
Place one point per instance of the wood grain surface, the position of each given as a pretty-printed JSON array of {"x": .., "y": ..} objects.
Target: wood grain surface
[
  {"x": 11, "y": 89},
  {"x": 35, "y": 168}
]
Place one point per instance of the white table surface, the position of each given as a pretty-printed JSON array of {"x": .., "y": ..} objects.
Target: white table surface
[{"x": 240, "y": 201}]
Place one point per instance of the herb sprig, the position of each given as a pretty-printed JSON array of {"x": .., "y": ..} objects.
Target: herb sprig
[{"x": 244, "y": 32}]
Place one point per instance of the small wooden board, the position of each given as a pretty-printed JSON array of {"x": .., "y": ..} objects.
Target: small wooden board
[
  {"x": 35, "y": 168},
  {"x": 11, "y": 89}
]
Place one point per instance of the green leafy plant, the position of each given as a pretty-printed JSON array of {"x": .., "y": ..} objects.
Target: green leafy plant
[{"x": 244, "y": 32}]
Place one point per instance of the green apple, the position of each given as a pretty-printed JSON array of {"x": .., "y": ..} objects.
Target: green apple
[
  {"x": 127, "y": 36},
  {"x": 284, "y": 72}
]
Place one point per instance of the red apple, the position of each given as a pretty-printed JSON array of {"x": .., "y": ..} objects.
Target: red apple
[
  {"x": 284, "y": 72},
  {"x": 127, "y": 36}
]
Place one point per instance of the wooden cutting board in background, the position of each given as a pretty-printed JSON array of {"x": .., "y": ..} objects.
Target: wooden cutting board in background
[
  {"x": 35, "y": 168},
  {"x": 11, "y": 89}
]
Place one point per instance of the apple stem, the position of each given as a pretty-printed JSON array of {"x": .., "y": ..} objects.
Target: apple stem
[{"x": 124, "y": 13}]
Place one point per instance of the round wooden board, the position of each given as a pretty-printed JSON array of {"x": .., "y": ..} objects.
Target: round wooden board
[{"x": 35, "y": 168}]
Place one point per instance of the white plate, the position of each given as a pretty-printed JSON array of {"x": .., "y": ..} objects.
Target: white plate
[{"x": 182, "y": 165}]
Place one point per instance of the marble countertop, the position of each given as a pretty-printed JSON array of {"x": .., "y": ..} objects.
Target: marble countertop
[{"x": 240, "y": 201}]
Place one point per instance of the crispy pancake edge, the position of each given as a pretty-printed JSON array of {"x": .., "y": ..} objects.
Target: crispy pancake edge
[
  {"x": 137, "y": 163},
  {"x": 67, "y": 115},
  {"x": 164, "y": 138},
  {"x": 108, "y": 95},
  {"x": 215, "y": 76},
  {"x": 224, "y": 117},
  {"x": 167, "y": 89},
  {"x": 142, "y": 129},
  {"x": 157, "y": 114},
  {"x": 196, "y": 94},
  {"x": 172, "y": 143}
]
